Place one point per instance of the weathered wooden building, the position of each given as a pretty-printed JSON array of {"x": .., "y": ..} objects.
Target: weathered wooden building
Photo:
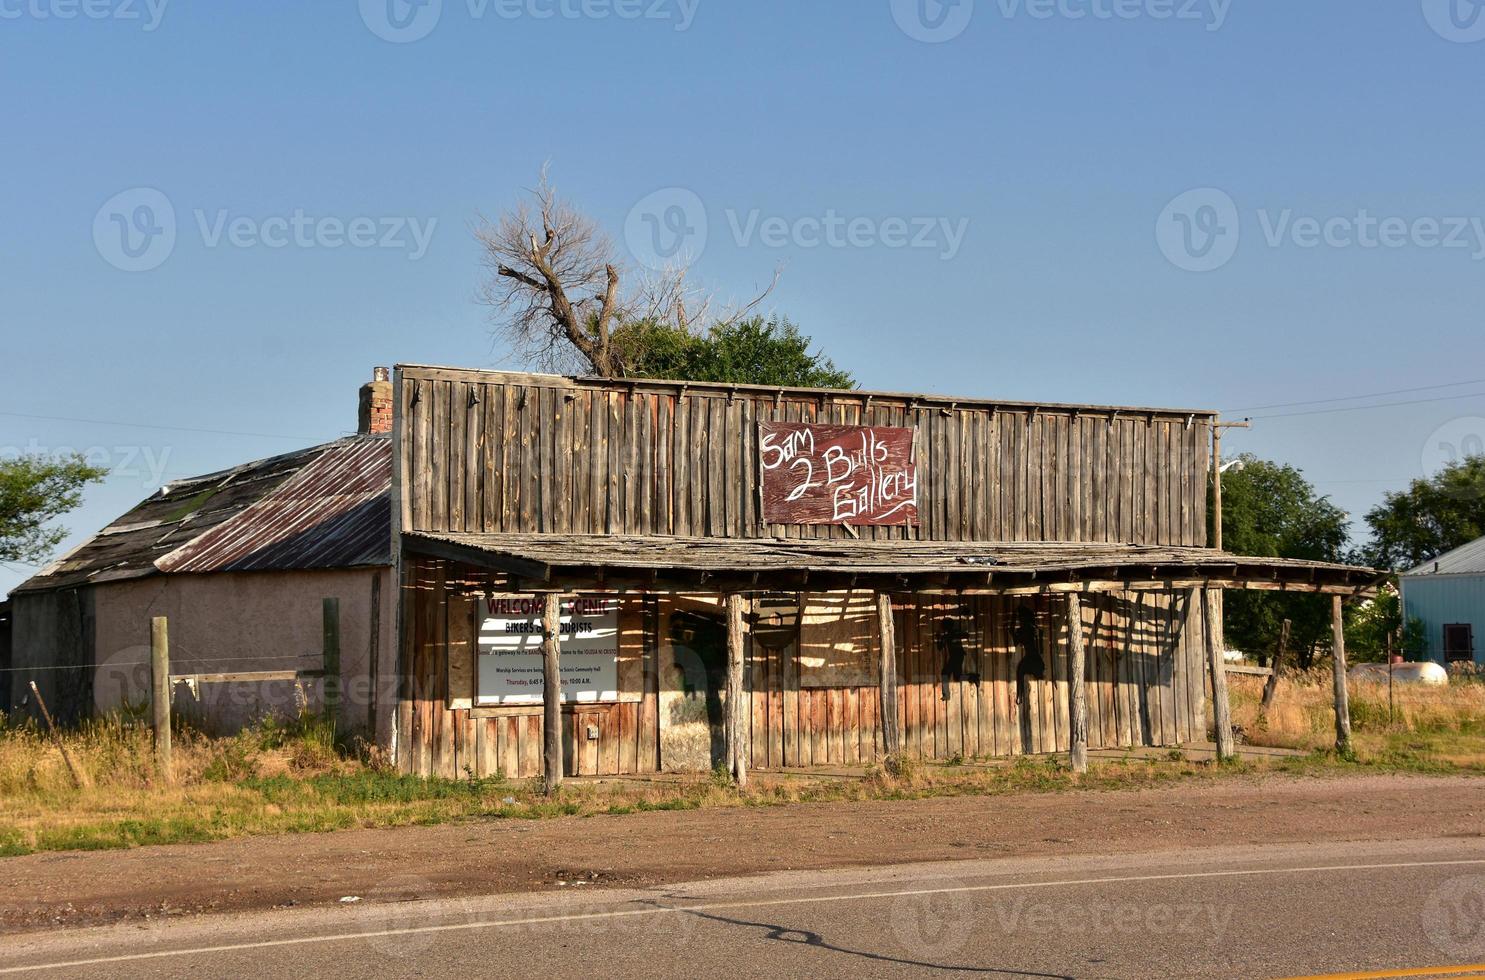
[{"x": 765, "y": 577}]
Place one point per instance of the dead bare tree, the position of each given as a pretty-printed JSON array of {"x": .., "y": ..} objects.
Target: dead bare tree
[{"x": 559, "y": 289}]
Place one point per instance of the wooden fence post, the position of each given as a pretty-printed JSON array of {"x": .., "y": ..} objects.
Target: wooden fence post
[
  {"x": 891, "y": 737},
  {"x": 1217, "y": 666},
  {"x": 736, "y": 720},
  {"x": 551, "y": 631},
  {"x": 79, "y": 780},
  {"x": 160, "y": 695},
  {"x": 1077, "y": 695},
  {"x": 330, "y": 618},
  {"x": 1342, "y": 696},
  {"x": 1271, "y": 686}
]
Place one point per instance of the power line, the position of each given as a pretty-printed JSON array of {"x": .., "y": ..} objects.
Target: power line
[
  {"x": 1363, "y": 408},
  {"x": 163, "y": 428},
  {"x": 1352, "y": 398}
]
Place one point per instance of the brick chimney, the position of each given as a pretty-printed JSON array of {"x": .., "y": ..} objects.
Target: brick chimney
[{"x": 375, "y": 416}]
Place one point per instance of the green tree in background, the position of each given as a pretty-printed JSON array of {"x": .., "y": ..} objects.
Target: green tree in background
[
  {"x": 1431, "y": 517},
  {"x": 1375, "y": 627},
  {"x": 1270, "y": 510},
  {"x": 34, "y": 491},
  {"x": 754, "y": 350}
]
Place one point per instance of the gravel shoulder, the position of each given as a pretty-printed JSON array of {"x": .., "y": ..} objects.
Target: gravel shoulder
[{"x": 42, "y": 891}]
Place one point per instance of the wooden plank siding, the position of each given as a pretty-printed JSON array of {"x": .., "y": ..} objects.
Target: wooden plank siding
[
  {"x": 1144, "y": 678},
  {"x": 578, "y": 456},
  {"x": 496, "y": 452}
]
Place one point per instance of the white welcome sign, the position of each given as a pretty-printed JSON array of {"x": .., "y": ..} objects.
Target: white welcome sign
[{"x": 510, "y": 650}]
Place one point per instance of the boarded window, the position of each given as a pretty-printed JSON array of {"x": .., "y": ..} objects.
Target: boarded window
[{"x": 838, "y": 640}]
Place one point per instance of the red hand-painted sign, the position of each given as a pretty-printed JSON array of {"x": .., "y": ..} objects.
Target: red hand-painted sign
[{"x": 838, "y": 474}]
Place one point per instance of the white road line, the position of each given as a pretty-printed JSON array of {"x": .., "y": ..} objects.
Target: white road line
[{"x": 740, "y": 904}]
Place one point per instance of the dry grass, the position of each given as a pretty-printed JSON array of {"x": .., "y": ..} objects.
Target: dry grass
[
  {"x": 293, "y": 778},
  {"x": 1420, "y": 727}
]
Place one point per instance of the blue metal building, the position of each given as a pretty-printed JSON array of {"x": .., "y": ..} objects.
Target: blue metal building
[{"x": 1448, "y": 595}]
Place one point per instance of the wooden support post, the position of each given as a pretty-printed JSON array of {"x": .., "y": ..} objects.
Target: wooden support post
[
  {"x": 1217, "y": 666},
  {"x": 160, "y": 696},
  {"x": 1271, "y": 686},
  {"x": 1342, "y": 696},
  {"x": 887, "y": 680},
  {"x": 737, "y": 725},
  {"x": 551, "y": 631},
  {"x": 330, "y": 651},
  {"x": 78, "y": 779},
  {"x": 1077, "y": 695}
]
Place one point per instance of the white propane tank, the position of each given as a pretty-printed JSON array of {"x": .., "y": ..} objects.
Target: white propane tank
[{"x": 1429, "y": 674}]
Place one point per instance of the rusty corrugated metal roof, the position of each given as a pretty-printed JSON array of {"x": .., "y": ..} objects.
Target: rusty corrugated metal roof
[{"x": 336, "y": 513}]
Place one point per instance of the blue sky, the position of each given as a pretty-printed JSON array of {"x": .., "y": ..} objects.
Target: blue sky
[{"x": 1009, "y": 185}]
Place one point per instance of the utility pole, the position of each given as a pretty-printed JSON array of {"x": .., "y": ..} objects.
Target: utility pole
[
  {"x": 1217, "y": 427},
  {"x": 1216, "y": 606}
]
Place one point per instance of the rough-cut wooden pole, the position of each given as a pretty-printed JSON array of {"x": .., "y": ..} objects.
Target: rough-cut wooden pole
[
  {"x": 736, "y": 727},
  {"x": 78, "y": 779},
  {"x": 1217, "y": 485},
  {"x": 551, "y": 698},
  {"x": 1077, "y": 695},
  {"x": 1271, "y": 685},
  {"x": 330, "y": 655},
  {"x": 1342, "y": 696},
  {"x": 1217, "y": 666},
  {"x": 160, "y": 695},
  {"x": 887, "y": 681}
]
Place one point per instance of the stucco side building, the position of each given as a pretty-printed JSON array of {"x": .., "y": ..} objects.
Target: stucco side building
[{"x": 240, "y": 562}]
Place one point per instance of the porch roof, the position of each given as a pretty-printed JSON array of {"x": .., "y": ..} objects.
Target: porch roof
[{"x": 547, "y": 561}]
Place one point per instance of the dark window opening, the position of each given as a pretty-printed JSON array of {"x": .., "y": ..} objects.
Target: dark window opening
[{"x": 1459, "y": 642}]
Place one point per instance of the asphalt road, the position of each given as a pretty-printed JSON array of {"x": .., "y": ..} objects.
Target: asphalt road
[{"x": 1283, "y": 911}]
